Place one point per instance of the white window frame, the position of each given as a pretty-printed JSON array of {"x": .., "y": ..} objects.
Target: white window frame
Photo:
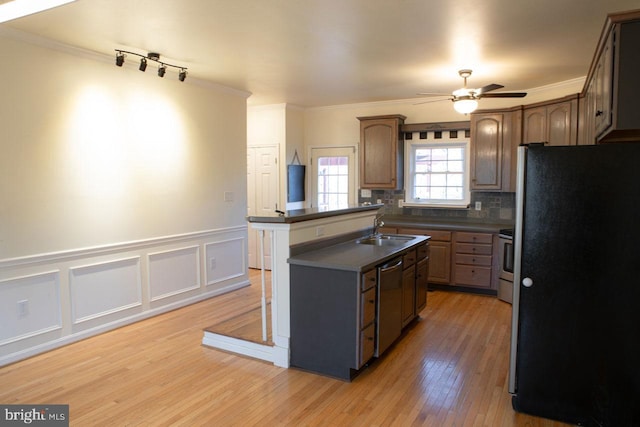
[
  {"x": 410, "y": 149},
  {"x": 348, "y": 151}
]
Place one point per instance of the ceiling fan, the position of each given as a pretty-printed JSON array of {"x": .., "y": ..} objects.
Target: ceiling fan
[{"x": 465, "y": 100}]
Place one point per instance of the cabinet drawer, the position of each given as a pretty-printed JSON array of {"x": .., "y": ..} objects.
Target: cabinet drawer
[
  {"x": 474, "y": 238},
  {"x": 473, "y": 276},
  {"x": 369, "y": 280},
  {"x": 367, "y": 307},
  {"x": 423, "y": 251},
  {"x": 439, "y": 235},
  {"x": 409, "y": 259},
  {"x": 367, "y": 347},
  {"x": 470, "y": 248},
  {"x": 473, "y": 259}
]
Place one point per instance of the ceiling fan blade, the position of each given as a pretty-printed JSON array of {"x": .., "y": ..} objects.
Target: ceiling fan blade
[
  {"x": 433, "y": 94},
  {"x": 503, "y": 95},
  {"x": 433, "y": 100},
  {"x": 489, "y": 88}
]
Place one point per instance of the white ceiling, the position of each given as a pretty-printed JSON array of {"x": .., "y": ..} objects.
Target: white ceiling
[{"x": 329, "y": 52}]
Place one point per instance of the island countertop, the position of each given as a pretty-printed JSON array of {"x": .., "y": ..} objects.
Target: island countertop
[
  {"x": 299, "y": 215},
  {"x": 353, "y": 256}
]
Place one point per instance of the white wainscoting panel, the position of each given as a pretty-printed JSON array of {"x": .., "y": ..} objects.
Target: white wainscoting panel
[
  {"x": 101, "y": 289},
  {"x": 29, "y": 306},
  {"x": 52, "y": 299},
  {"x": 225, "y": 260},
  {"x": 173, "y": 272}
]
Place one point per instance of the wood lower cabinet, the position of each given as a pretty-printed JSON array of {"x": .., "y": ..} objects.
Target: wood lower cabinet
[
  {"x": 408, "y": 287},
  {"x": 439, "y": 253},
  {"x": 473, "y": 259},
  {"x": 422, "y": 278}
]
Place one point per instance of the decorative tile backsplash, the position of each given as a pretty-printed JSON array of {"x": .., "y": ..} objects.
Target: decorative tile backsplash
[{"x": 496, "y": 207}]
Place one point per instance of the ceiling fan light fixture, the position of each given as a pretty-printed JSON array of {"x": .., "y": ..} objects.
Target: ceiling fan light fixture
[{"x": 465, "y": 106}]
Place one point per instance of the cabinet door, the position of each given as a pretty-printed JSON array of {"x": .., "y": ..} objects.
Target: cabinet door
[
  {"x": 486, "y": 151},
  {"x": 408, "y": 294},
  {"x": 535, "y": 125},
  {"x": 380, "y": 158},
  {"x": 603, "y": 81},
  {"x": 440, "y": 262},
  {"x": 422, "y": 274},
  {"x": 562, "y": 123}
]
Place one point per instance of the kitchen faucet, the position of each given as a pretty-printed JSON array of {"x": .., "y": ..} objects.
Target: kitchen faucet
[{"x": 377, "y": 223}]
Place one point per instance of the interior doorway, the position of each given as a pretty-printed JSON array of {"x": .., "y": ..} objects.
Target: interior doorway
[{"x": 262, "y": 196}]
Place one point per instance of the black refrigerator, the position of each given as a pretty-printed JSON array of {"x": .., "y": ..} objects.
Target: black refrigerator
[{"x": 575, "y": 345}]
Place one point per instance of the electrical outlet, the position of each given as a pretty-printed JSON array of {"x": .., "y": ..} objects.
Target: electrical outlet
[
  {"x": 379, "y": 201},
  {"x": 478, "y": 206},
  {"x": 400, "y": 203},
  {"x": 319, "y": 231},
  {"x": 228, "y": 196},
  {"x": 365, "y": 193},
  {"x": 23, "y": 308}
]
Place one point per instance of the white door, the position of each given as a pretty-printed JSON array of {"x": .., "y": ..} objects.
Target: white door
[
  {"x": 262, "y": 196},
  {"x": 333, "y": 177}
]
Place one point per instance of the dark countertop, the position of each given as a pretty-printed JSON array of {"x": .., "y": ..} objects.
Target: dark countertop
[
  {"x": 298, "y": 215},
  {"x": 352, "y": 256},
  {"x": 440, "y": 224}
]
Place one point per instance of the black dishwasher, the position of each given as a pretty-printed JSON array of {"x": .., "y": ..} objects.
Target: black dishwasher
[{"x": 389, "y": 309}]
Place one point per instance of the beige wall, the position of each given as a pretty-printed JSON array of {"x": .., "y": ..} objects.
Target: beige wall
[{"x": 93, "y": 154}]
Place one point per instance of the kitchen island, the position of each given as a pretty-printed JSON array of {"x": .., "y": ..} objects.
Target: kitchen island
[
  {"x": 350, "y": 301},
  {"x": 292, "y": 232}
]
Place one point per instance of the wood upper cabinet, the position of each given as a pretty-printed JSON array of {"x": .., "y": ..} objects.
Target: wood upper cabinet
[
  {"x": 381, "y": 152},
  {"x": 486, "y": 150},
  {"x": 554, "y": 123},
  {"x": 612, "y": 86}
]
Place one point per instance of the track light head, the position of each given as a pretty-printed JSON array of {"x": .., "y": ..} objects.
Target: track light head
[
  {"x": 143, "y": 64},
  {"x": 182, "y": 75},
  {"x": 161, "y": 70},
  {"x": 119, "y": 59}
]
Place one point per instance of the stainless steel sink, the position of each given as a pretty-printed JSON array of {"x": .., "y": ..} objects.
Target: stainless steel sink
[{"x": 385, "y": 240}]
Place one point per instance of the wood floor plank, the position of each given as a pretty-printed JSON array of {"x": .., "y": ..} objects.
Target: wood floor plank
[{"x": 449, "y": 369}]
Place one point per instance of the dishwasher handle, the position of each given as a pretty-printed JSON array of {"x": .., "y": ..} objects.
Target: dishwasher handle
[{"x": 391, "y": 265}]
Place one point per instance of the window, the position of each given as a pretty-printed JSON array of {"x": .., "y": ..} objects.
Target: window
[
  {"x": 333, "y": 177},
  {"x": 437, "y": 172}
]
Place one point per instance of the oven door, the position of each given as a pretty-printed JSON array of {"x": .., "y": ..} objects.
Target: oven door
[{"x": 505, "y": 283}]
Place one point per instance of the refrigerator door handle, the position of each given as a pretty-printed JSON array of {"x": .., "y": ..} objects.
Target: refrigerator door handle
[{"x": 527, "y": 282}]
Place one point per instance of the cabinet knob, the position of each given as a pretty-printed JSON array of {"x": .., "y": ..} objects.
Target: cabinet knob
[
  {"x": 599, "y": 113},
  {"x": 372, "y": 301}
]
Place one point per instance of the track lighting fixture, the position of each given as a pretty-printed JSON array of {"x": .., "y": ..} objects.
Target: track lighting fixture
[
  {"x": 151, "y": 56},
  {"x": 119, "y": 59}
]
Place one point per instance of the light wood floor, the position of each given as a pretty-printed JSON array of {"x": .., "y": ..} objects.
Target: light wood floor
[{"x": 449, "y": 370}]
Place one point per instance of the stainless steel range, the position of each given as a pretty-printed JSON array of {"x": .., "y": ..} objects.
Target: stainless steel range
[{"x": 505, "y": 252}]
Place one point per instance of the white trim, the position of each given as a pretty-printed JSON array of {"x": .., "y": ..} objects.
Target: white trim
[
  {"x": 111, "y": 248},
  {"x": 69, "y": 339},
  {"x": 240, "y": 346}
]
